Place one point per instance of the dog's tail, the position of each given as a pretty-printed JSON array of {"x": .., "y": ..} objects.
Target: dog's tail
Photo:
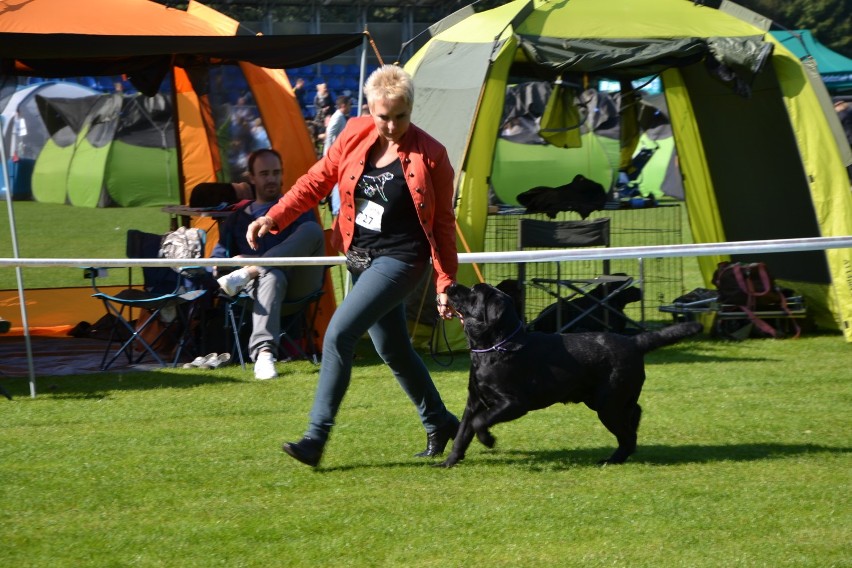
[{"x": 651, "y": 340}]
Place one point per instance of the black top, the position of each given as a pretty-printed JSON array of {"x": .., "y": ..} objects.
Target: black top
[{"x": 386, "y": 222}]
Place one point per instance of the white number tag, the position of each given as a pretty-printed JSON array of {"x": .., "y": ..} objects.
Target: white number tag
[{"x": 369, "y": 214}]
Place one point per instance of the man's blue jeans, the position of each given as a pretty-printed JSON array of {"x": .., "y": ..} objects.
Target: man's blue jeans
[{"x": 375, "y": 305}]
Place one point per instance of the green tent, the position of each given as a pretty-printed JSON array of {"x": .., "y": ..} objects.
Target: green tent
[
  {"x": 754, "y": 130},
  {"x": 585, "y": 139},
  {"x": 107, "y": 150}
]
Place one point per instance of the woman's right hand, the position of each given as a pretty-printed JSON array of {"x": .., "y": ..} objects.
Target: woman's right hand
[{"x": 257, "y": 229}]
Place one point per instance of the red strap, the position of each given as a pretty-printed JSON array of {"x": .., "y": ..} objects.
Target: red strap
[
  {"x": 761, "y": 325},
  {"x": 790, "y": 314},
  {"x": 764, "y": 279},
  {"x": 747, "y": 287}
]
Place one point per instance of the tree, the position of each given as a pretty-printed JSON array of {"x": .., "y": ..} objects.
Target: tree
[{"x": 828, "y": 20}]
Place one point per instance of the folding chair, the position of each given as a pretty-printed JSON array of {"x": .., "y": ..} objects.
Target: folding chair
[
  {"x": 582, "y": 304},
  {"x": 298, "y": 316},
  {"x": 235, "y": 322},
  {"x": 169, "y": 297}
]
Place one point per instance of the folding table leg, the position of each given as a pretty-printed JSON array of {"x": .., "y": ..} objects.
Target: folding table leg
[{"x": 600, "y": 303}]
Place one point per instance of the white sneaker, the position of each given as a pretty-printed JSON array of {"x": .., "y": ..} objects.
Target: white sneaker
[
  {"x": 233, "y": 283},
  {"x": 264, "y": 367}
]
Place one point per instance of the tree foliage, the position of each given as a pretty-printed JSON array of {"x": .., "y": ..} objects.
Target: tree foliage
[{"x": 828, "y": 20}]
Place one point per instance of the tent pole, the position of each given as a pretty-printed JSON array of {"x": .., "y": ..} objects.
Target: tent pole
[
  {"x": 18, "y": 272},
  {"x": 363, "y": 71}
]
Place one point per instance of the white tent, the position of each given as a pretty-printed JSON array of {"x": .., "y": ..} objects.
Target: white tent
[{"x": 23, "y": 131}]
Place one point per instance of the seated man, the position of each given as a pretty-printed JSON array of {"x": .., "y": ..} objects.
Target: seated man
[{"x": 269, "y": 286}]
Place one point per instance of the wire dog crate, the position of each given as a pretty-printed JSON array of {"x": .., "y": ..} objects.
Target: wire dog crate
[{"x": 661, "y": 278}]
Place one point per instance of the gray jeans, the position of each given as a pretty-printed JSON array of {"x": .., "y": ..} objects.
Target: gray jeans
[
  {"x": 277, "y": 284},
  {"x": 375, "y": 305}
]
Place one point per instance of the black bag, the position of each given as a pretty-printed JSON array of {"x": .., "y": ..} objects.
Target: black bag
[
  {"x": 748, "y": 285},
  {"x": 357, "y": 260}
]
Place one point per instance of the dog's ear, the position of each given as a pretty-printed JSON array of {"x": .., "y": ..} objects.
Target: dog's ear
[
  {"x": 502, "y": 309},
  {"x": 512, "y": 288}
]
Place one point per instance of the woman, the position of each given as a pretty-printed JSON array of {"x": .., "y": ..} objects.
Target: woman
[{"x": 396, "y": 189}]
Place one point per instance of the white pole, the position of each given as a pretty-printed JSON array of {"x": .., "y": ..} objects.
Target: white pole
[
  {"x": 363, "y": 72},
  {"x": 649, "y": 251},
  {"x": 18, "y": 272}
]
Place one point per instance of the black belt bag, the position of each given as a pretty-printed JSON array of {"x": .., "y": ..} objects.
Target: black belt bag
[{"x": 357, "y": 260}]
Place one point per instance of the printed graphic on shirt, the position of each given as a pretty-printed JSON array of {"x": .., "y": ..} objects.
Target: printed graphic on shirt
[
  {"x": 371, "y": 185},
  {"x": 369, "y": 214}
]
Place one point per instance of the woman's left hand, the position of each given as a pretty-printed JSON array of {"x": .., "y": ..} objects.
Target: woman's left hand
[{"x": 445, "y": 310}]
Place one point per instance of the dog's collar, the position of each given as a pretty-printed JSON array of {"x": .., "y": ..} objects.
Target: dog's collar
[{"x": 499, "y": 347}]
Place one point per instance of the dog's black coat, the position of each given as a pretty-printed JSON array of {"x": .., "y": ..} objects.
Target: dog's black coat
[{"x": 513, "y": 372}]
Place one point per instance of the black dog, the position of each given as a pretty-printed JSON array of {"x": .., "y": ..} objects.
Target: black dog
[{"x": 513, "y": 372}]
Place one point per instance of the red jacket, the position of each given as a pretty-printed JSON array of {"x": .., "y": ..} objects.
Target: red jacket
[{"x": 428, "y": 174}]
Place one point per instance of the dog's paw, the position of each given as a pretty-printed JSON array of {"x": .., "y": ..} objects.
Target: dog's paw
[
  {"x": 447, "y": 463},
  {"x": 609, "y": 461},
  {"x": 486, "y": 439}
]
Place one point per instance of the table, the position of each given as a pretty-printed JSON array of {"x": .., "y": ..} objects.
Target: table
[{"x": 729, "y": 320}]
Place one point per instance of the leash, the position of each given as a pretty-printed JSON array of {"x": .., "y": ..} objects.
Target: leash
[
  {"x": 499, "y": 347},
  {"x": 432, "y": 351}
]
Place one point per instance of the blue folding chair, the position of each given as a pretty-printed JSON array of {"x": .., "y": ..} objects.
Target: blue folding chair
[
  {"x": 298, "y": 321},
  {"x": 167, "y": 296}
]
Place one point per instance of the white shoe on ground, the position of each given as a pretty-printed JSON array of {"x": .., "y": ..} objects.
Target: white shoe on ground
[
  {"x": 216, "y": 361},
  {"x": 233, "y": 283},
  {"x": 264, "y": 367}
]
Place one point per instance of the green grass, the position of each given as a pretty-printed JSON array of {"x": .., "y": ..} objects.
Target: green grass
[
  {"x": 744, "y": 460},
  {"x": 46, "y": 230}
]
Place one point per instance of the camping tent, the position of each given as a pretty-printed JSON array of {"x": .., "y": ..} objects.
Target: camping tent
[
  {"x": 754, "y": 130},
  {"x": 106, "y": 150},
  {"x": 24, "y": 133},
  {"x": 523, "y": 158},
  {"x": 834, "y": 68},
  {"x": 148, "y": 42}
]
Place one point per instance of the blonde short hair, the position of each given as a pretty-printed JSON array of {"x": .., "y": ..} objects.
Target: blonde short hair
[{"x": 389, "y": 82}]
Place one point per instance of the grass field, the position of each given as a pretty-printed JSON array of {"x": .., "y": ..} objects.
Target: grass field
[
  {"x": 46, "y": 230},
  {"x": 744, "y": 460}
]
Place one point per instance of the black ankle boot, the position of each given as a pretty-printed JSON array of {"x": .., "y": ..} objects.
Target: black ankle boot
[
  {"x": 437, "y": 440},
  {"x": 307, "y": 450}
]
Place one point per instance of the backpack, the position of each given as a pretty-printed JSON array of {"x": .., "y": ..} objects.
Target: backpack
[
  {"x": 751, "y": 288},
  {"x": 184, "y": 243},
  {"x": 748, "y": 285}
]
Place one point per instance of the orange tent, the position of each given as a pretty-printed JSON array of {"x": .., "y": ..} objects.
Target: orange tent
[{"x": 147, "y": 42}]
